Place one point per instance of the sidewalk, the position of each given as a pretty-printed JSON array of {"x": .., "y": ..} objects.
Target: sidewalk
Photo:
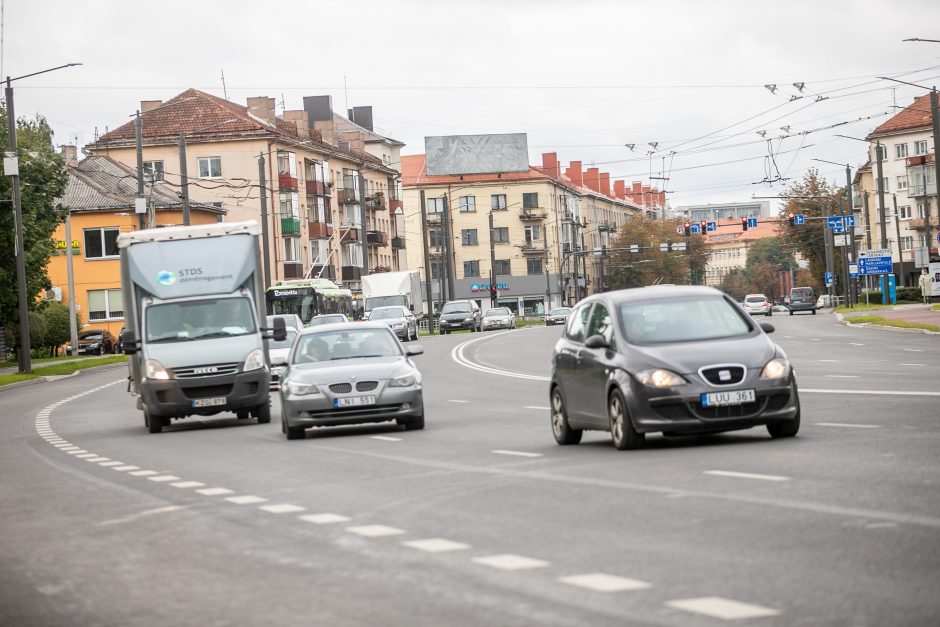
[
  {"x": 909, "y": 313},
  {"x": 43, "y": 364}
]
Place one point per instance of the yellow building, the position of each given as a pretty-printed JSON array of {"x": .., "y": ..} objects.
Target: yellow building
[{"x": 100, "y": 196}]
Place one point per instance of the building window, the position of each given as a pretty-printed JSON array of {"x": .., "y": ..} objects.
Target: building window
[
  {"x": 468, "y": 204},
  {"x": 437, "y": 238},
  {"x": 501, "y": 267},
  {"x": 210, "y": 167},
  {"x": 105, "y": 304},
  {"x": 290, "y": 249},
  {"x": 500, "y": 235},
  {"x": 530, "y": 200},
  {"x": 882, "y": 151},
  {"x": 902, "y": 183},
  {"x": 907, "y": 243},
  {"x": 920, "y": 148},
  {"x": 920, "y": 210},
  {"x": 534, "y": 266},
  {"x": 286, "y": 163},
  {"x": 101, "y": 243},
  {"x": 533, "y": 233},
  {"x": 153, "y": 170},
  {"x": 468, "y": 237},
  {"x": 290, "y": 205},
  {"x": 904, "y": 212},
  {"x": 498, "y": 202},
  {"x": 900, "y": 151},
  {"x": 437, "y": 270},
  {"x": 435, "y": 205},
  {"x": 471, "y": 268}
]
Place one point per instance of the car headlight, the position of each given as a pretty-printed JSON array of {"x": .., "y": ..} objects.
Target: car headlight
[
  {"x": 403, "y": 381},
  {"x": 776, "y": 368},
  {"x": 155, "y": 370},
  {"x": 659, "y": 378},
  {"x": 398, "y": 324},
  {"x": 255, "y": 360},
  {"x": 301, "y": 389}
]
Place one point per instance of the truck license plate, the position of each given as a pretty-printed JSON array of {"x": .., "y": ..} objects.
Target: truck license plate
[
  {"x": 353, "y": 401},
  {"x": 215, "y": 401},
  {"x": 733, "y": 397}
]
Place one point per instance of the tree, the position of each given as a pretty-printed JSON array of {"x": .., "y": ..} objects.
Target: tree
[
  {"x": 736, "y": 284},
  {"x": 57, "y": 331},
  {"x": 768, "y": 250},
  {"x": 813, "y": 198},
  {"x": 650, "y": 265},
  {"x": 43, "y": 177}
]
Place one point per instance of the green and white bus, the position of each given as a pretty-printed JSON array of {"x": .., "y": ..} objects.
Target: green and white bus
[{"x": 308, "y": 298}]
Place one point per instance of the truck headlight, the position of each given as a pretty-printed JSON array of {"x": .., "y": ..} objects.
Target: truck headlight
[
  {"x": 776, "y": 368},
  {"x": 155, "y": 370},
  {"x": 659, "y": 378},
  {"x": 254, "y": 361},
  {"x": 296, "y": 388}
]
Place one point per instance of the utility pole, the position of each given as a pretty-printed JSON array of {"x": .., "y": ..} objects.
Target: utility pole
[
  {"x": 828, "y": 237},
  {"x": 264, "y": 219},
  {"x": 492, "y": 261},
  {"x": 844, "y": 254},
  {"x": 879, "y": 185},
  {"x": 449, "y": 248},
  {"x": 23, "y": 357},
  {"x": 73, "y": 322},
  {"x": 935, "y": 118},
  {"x": 427, "y": 263},
  {"x": 897, "y": 226},
  {"x": 583, "y": 266},
  {"x": 184, "y": 180},
  {"x": 850, "y": 204},
  {"x": 600, "y": 271},
  {"x": 362, "y": 218},
  {"x": 138, "y": 137}
]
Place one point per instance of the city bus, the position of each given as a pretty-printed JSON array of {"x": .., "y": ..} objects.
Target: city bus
[{"x": 308, "y": 298}]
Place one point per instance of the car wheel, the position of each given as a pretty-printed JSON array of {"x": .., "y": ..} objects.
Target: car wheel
[
  {"x": 294, "y": 433},
  {"x": 814, "y": 312},
  {"x": 242, "y": 414},
  {"x": 784, "y": 428},
  {"x": 562, "y": 431},
  {"x": 263, "y": 413},
  {"x": 622, "y": 433},
  {"x": 791, "y": 312},
  {"x": 153, "y": 423},
  {"x": 413, "y": 424}
]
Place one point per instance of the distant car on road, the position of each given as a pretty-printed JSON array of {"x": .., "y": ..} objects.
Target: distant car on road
[
  {"x": 94, "y": 342},
  {"x": 460, "y": 314},
  {"x": 802, "y": 299},
  {"x": 347, "y": 374},
  {"x": 291, "y": 321},
  {"x": 399, "y": 319},
  {"x": 757, "y": 304},
  {"x": 327, "y": 319},
  {"x": 558, "y": 315},
  {"x": 678, "y": 360},
  {"x": 499, "y": 318}
]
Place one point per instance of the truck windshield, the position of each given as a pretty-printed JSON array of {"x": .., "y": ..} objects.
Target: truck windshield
[{"x": 198, "y": 319}]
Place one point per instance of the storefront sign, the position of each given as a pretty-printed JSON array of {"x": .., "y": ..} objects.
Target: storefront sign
[
  {"x": 60, "y": 247},
  {"x": 485, "y": 287}
]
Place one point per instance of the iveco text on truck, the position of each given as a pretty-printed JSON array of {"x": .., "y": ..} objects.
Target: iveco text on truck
[{"x": 194, "y": 312}]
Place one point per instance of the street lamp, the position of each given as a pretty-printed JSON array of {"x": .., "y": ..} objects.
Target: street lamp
[{"x": 11, "y": 167}]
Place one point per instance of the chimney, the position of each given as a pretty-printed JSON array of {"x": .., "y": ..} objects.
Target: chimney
[
  {"x": 605, "y": 183},
  {"x": 262, "y": 107},
  {"x": 619, "y": 190},
  {"x": 550, "y": 164},
  {"x": 149, "y": 105},
  {"x": 361, "y": 116},
  {"x": 592, "y": 178},
  {"x": 69, "y": 152},
  {"x": 298, "y": 118},
  {"x": 573, "y": 172},
  {"x": 320, "y": 116}
]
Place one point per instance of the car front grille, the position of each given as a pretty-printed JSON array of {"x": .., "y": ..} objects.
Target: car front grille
[
  {"x": 341, "y": 388},
  {"x": 366, "y": 386},
  {"x": 727, "y": 374},
  {"x": 208, "y": 370}
]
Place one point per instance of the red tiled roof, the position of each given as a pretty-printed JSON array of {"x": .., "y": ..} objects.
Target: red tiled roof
[{"x": 915, "y": 116}]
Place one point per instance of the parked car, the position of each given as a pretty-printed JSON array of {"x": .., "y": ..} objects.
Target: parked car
[
  {"x": 558, "y": 315},
  {"x": 399, "y": 319},
  {"x": 327, "y": 319},
  {"x": 94, "y": 342},
  {"x": 291, "y": 321},
  {"x": 278, "y": 352},
  {"x": 757, "y": 304},
  {"x": 499, "y": 318},
  {"x": 353, "y": 373},
  {"x": 460, "y": 314},
  {"x": 678, "y": 360},
  {"x": 802, "y": 299}
]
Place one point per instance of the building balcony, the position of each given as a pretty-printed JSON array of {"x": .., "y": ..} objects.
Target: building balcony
[
  {"x": 317, "y": 188},
  {"x": 375, "y": 202},
  {"x": 920, "y": 224},
  {"x": 376, "y": 238},
  {"x": 533, "y": 249},
  {"x": 349, "y": 233},
  {"x": 434, "y": 218},
  {"x": 347, "y": 196},
  {"x": 287, "y": 182},
  {"x": 567, "y": 216},
  {"x": 398, "y": 242},
  {"x": 320, "y": 230},
  {"x": 351, "y": 273},
  {"x": 293, "y": 270},
  {"x": 323, "y": 272},
  {"x": 290, "y": 226},
  {"x": 533, "y": 215},
  {"x": 603, "y": 227},
  {"x": 394, "y": 204},
  {"x": 436, "y": 253}
]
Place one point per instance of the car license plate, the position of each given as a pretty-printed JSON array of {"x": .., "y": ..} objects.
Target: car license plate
[
  {"x": 209, "y": 402},
  {"x": 733, "y": 397},
  {"x": 353, "y": 401}
]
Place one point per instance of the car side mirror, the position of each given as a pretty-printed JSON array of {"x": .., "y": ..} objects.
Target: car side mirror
[
  {"x": 414, "y": 350},
  {"x": 596, "y": 341},
  {"x": 279, "y": 333},
  {"x": 767, "y": 327},
  {"x": 129, "y": 343}
]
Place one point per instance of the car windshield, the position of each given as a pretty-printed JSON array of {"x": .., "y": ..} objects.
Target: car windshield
[
  {"x": 456, "y": 308},
  {"x": 498, "y": 311},
  {"x": 97, "y": 335},
  {"x": 383, "y": 313},
  {"x": 199, "y": 319},
  {"x": 682, "y": 320},
  {"x": 560, "y": 311},
  {"x": 287, "y": 342},
  {"x": 320, "y": 320},
  {"x": 801, "y": 293},
  {"x": 345, "y": 344},
  {"x": 755, "y": 299}
]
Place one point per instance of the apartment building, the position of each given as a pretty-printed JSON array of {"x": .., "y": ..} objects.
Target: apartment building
[
  {"x": 332, "y": 189},
  {"x": 723, "y": 211}
]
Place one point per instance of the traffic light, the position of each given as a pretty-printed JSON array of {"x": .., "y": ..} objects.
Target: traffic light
[
  {"x": 688, "y": 229},
  {"x": 743, "y": 224},
  {"x": 493, "y": 293},
  {"x": 792, "y": 217},
  {"x": 704, "y": 226}
]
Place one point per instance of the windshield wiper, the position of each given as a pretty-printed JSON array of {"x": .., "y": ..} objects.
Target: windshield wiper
[
  {"x": 355, "y": 357},
  {"x": 172, "y": 338},
  {"x": 217, "y": 334}
]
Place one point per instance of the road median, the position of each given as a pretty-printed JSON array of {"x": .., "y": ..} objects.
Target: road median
[{"x": 58, "y": 371}]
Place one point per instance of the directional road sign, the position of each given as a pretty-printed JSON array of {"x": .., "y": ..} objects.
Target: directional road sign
[
  {"x": 828, "y": 279},
  {"x": 799, "y": 219},
  {"x": 874, "y": 265},
  {"x": 695, "y": 228},
  {"x": 849, "y": 221},
  {"x": 751, "y": 222},
  {"x": 712, "y": 226},
  {"x": 634, "y": 248},
  {"x": 678, "y": 246},
  {"x": 664, "y": 247}
]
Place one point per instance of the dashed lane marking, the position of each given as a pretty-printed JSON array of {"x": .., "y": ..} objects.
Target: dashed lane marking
[
  {"x": 215, "y": 491},
  {"x": 456, "y": 400},
  {"x": 745, "y": 475},
  {"x": 539, "y": 407},
  {"x": 97, "y": 460},
  {"x": 385, "y": 438},
  {"x": 375, "y": 531},
  {"x": 912, "y": 364},
  {"x": 282, "y": 508},
  {"x": 846, "y": 424},
  {"x": 436, "y": 545},
  {"x": 726, "y": 609},
  {"x": 914, "y": 350},
  {"x": 187, "y": 484},
  {"x": 516, "y": 453},
  {"x": 110, "y": 464},
  {"x": 856, "y": 344},
  {"x": 125, "y": 468},
  {"x": 164, "y": 478},
  {"x": 510, "y": 561},
  {"x": 601, "y": 582},
  {"x": 323, "y": 519},
  {"x": 143, "y": 473},
  {"x": 872, "y": 392},
  {"x": 78, "y": 451},
  {"x": 86, "y": 455},
  {"x": 247, "y": 499}
]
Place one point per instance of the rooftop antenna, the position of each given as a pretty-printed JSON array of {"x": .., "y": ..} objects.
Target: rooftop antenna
[{"x": 224, "y": 90}]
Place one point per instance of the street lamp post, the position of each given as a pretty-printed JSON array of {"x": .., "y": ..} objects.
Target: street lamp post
[{"x": 23, "y": 357}]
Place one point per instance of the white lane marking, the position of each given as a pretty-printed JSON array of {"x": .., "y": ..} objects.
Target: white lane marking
[
  {"x": 540, "y": 407},
  {"x": 814, "y": 339},
  {"x": 831, "y": 361},
  {"x": 248, "y": 499},
  {"x": 323, "y": 519},
  {"x": 842, "y": 376},
  {"x": 601, "y": 582},
  {"x": 726, "y": 609},
  {"x": 457, "y": 355},
  {"x": 385, "y": 438},
  {"x": 846, "y": 424},
  {"x": 97, "y": 460},
  {"x": 164, "y": 478},
  {"x": 874, "y": 392},
  {"x": 516, "y": 453},
  {"x": 456, "y": 400},
  {"x": 436, "y": 545},
  {"x": 66, "y": 447},
  {"x": 215, "y": 491},
  {"x": 86, "y": 455},
  {"x": 789, "y": 337},
  {"x": 745, "y": 475},
  {"x": 78, "y": 451},
  {"x": 148, "y": 512},
  {"x": 125, "y": 468},
  {"x": 509, "y": 561},
  {"x": 111, "y": 463},
  {"x": 914, "y": 350},
  {"x": 856, "y": 344},
  {"x": 143, "y": 473},
  {"x": 912, "y": 364},
  {"x": 282, "y": 508},
  {"x": 187, "y": 484},
  {"x": 375, "y": 531}
]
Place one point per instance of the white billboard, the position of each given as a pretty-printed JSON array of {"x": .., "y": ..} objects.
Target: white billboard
[{"x": 476, "y": 154}]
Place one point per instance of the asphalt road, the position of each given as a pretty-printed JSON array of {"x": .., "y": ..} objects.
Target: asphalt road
[{"x": 481, "y": 519}]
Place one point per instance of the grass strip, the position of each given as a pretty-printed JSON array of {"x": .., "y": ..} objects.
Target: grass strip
[
  {"x": 901, "y": 324},
  {"x": 62, "y": 369}
]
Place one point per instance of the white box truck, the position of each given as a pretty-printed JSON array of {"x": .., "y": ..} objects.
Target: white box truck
[
  {"x": 393, "y": 288},
  {"x": 194, "y": 316}
]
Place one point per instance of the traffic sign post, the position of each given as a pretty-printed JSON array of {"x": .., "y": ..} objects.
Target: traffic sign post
[
  {"x": 712, "y": 227},
  {"x": 751, "y": 222},
  {"x": 877, "y": 261},
  {"x": 695, "y": 229},
  {"x": 799, "y": 219}
]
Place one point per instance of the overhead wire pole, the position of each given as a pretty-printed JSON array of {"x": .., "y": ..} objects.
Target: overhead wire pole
[
  {"x": 897, "y": 227},
  {"x": 427, "y": 263},
  {"x": 140, "y": 200},
  {"x": 264, "y": 221}
]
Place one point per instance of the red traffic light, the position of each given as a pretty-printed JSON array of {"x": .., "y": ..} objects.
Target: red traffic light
[
  {"x": 744, "y": 223},
  {"x": 792, "y": 218},
  {"x": 687, "y": 228}
]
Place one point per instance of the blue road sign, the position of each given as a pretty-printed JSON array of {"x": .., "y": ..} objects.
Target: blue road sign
[
  {"x": 849, "y": 221},
  {"x": 695, "y": 228},
  {"x": 712, "y": 226},
  {"x": 874, "y": 265},
  {"x": 828, "y": 279},
  {"x": 751, "y": 222},
  {"x": 853, "y": 270},
  {"x": 799, "y": 219}
]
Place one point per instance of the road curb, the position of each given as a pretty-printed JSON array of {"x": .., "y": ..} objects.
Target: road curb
[
  {"x": 59, "y": 377},
  {"x": 881, "y": 327}
]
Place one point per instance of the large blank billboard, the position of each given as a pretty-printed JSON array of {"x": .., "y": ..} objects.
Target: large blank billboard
[{"x": 476, "y": 154}]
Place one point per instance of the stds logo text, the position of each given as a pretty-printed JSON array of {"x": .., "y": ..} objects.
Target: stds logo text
[{"x": 485, "y": 287}]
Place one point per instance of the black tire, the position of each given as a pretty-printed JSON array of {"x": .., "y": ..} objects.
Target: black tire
[
  {"x": 791, "y": 312},
  {"x": 242, "y": 414},
  {"x": 814, "y": 312},
  {"x": 263, "y": 413},
  {"x": 562, "y": 431},
  {"x": 153, "y": 423},
  {"x": 413, "y": 424},
  {"x": 784, "y": 428},
  {"x": 294, "y": 433},
  {"x": 622, "y": 432}
]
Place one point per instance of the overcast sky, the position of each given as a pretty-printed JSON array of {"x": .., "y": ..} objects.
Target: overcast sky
[{"x": 583, "y": 78}]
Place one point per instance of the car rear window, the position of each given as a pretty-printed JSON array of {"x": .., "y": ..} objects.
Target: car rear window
[
  {"x": 755, "y": 299},
  {"x": 801, "y": 292}
]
